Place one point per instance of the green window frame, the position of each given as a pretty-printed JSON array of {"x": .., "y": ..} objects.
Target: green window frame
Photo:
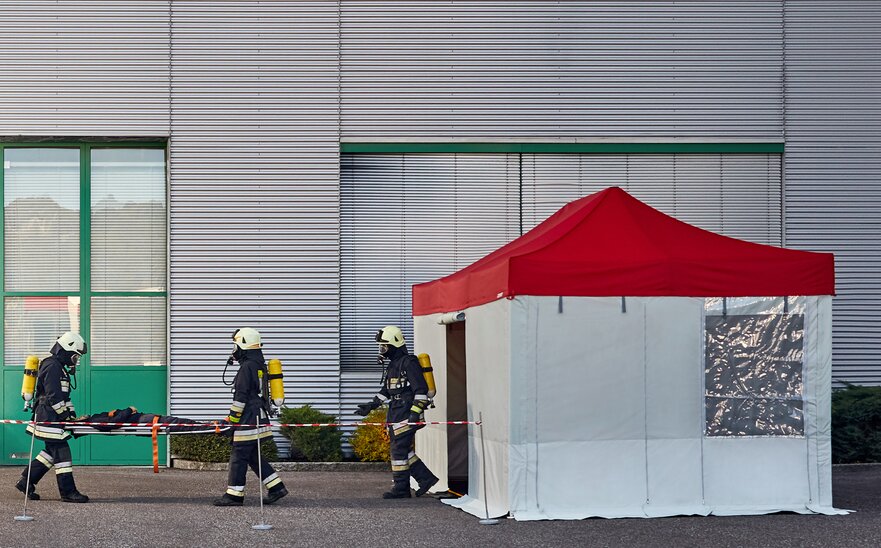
[{"x": 95, "y": 391}]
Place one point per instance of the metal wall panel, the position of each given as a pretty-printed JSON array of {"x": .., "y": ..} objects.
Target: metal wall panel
[
  {"x": 84, "y": 68},
  {"x": 577, "y": 70},
  {"x": 833, "y": 165},
  {"x": 733, "y": 194},
  {"x": 254, "y": 196},
  {"x": 406, "y": 219}
]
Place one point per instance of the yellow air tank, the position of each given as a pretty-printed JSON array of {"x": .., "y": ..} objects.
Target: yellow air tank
[
  {"x": 427, "y": 372},
  {"x": 29, "y": 382},
  {"x": 276, "y": 382}
]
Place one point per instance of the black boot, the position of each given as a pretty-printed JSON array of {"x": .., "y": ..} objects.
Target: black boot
[
  {"x": 67, "y": 488},
  {"x": 401, "y": 488},
  {"x": 229, "y": 500},
  {"x": 423, "y": 476},
  {"x": 424, "y": 487},
  {"x": 275, "y": 493},
  {"x": 75, "y": 496},
  {"x": 22, "y": 485}
]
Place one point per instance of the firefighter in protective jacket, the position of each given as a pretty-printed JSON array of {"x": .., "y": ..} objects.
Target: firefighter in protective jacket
[
  {"x": 248, "y": 415},
  {"x": 406, "y": 392},
  {"x": 52, "y": 405}
]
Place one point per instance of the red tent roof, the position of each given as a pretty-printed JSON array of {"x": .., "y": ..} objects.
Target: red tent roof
[{"x": 611, "y": 244}]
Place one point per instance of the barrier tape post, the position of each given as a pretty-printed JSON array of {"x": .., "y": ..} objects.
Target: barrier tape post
[
  {"x": 487, "y": 520},
  {"x": 155, "y": 438},
  {"x": 262, "y": 526},
  {"x": 27, "y": 484}
]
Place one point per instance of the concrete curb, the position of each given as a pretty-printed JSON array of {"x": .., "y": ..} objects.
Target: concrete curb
[{"x": 184, "y": 464}]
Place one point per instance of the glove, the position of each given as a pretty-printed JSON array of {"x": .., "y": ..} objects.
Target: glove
[
  {"x": 364, "y": 409},
  {"x": 414, "y": 417}
]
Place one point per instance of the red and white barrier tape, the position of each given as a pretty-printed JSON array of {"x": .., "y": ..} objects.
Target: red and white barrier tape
[{"x": 218, "y": 424}]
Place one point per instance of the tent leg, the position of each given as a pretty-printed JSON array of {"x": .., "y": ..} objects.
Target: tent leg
[{"x": 487, "y": 520}]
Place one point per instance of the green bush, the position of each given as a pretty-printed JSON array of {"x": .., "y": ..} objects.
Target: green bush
[
  {"x": 316, "y": 444},
  {"x": 371, "y": 443},
  {"x": 213, "y": 447},
  {"x": 856, "y": 424}
]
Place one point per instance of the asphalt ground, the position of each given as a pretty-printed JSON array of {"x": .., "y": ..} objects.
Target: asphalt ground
[{"x": 134, "y": 507}]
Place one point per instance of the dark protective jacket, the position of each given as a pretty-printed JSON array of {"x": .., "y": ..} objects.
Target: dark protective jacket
[
  {"x": 248, "y": 403},
  {"x": 52, "y": 400},
  {"x": 403, "y": 386}
]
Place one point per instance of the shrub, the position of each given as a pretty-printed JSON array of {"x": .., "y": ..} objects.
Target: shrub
[
  {"x": 317, "y": 444},
  {"x": 213, "y": 448},
  {"x": 856, "y": 424},
  {"x": 371, "y": 443}
]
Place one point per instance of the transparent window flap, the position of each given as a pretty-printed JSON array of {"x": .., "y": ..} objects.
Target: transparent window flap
[{"x": 754, "y": 367}]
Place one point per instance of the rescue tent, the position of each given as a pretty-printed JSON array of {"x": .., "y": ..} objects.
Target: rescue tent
[{"x": 627, "y": 364}]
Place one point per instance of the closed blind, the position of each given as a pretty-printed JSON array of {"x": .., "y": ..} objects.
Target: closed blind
[
  {"x": 735, "y": 195},
  {"x": 130, "y": 330},
  {"x": 128, "y": 220},
  {"x": 407, "y": 219},
  {"x": 42, "y": 207}
]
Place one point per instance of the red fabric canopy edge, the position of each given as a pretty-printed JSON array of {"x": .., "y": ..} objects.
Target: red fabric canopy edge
[{"x": 611, "y": 244}]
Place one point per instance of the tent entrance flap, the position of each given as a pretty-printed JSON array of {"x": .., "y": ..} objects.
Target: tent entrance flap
[{"x": 457, "y": 408}]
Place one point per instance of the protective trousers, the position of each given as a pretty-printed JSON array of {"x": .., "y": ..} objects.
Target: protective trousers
[
  {"x": 57, "y": 455},
  {"x": 244, "y": 454},
  {"x": 405, "y": 463}
]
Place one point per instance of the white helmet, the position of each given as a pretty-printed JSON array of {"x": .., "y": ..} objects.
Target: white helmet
[
  {"x": 72, "y": 342},
  {"x": 391, "y": 335},
  {"x": 247, "y": 338}
]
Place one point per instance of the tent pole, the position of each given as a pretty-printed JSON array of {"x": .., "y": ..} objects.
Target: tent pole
[{"x": 487, "y": 520}]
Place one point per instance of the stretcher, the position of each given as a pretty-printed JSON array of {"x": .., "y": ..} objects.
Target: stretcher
[{"x": 131, "y": 422}]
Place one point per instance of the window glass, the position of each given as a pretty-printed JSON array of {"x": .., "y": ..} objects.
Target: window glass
[
  {"x": 33, "y": 323},
  {"x": 42, "y": 219},
  {"x": 128, "y": 220},
  {"x": 128, "y": 331},
  {"x": 754, "y": 373}
]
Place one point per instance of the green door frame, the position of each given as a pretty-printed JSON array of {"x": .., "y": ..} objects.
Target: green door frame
[{"x": 85, "y": 293}]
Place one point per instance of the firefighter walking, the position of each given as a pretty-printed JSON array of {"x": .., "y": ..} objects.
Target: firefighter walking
[
  {"x": 405, "y": 390},
  {"x": 249, "y": 408},
  {"x": 52, "y": 404}
]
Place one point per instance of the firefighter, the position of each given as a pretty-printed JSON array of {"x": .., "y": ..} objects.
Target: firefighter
[
  {"x": 249, "y": 409},
  {"x": 405, "y": 390},
  {"x": 52, "y": 404}
]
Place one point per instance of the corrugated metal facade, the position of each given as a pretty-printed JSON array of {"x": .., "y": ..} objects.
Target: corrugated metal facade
[
  {"x": 502, "y": 70},
  {"x": 84, "y": 67},
  {"x": 254, "y": 196},
  {"x": 833, "y": 165},
  {"x": 255, "y": 98}
]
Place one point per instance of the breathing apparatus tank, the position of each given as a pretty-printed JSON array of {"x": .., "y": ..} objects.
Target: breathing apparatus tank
[
  {"x": 276, "y": 382},
  {"x": 29, "y": 382},
  {"x": 427, "y": 372}
]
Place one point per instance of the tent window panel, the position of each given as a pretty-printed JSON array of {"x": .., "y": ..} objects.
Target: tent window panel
[
  {"x": 754, "y": 375},
  {"x": 754, "y": 417}
]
